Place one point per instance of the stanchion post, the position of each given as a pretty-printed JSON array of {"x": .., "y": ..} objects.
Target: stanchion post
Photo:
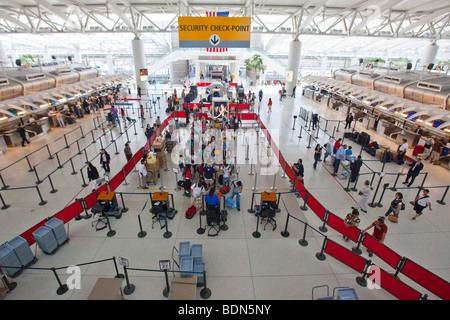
[
  {"x": 256, "y": 233},
  {"x": 356, "y": 249},
  {"x": 319, "y": 255},
  {"x": 372, "y": 204},
  {"x": 29, "y": 164},
  {"x": 5, "y": 186},
  {"x": 43, "y": 202},
  {"x": 286, "y": 233},
  {"x": 129, "y": 288},
  {"x": 63, "y": 288},
  {"x": 59, "y": 162},
  {"x": 65, "y": 139},
  {"x": 251, "y": 210},
  {"x": 51, "y": 185},
  {"x": 82, "y": 178},
  {"x": 443, "y": 197},
  {"x": 395, "y": 183},
  {"x": 141, "y": 233},
  {"x": 36, "y": 174},
  {"x": 50, "y": 157},
  {"x": 167, "y": 288},
  {"x": 5, "y": 206},
  {"x": 124, "y": 209},
  {"x": 74, "y": 172},
  {"x": 303, "y": 242},
  {"x": 305, "y": 207},
  {"x": 323, "y": 227}
]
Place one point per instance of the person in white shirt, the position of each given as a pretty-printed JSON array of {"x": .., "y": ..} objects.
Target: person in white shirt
[
  {"x": 402, "y": 151},
  {"x": 365, "y": 194},
  {"x": 421, "y": 202},
  {"x": 142, "y": 171},
  {"x": 196, "y": 195}
]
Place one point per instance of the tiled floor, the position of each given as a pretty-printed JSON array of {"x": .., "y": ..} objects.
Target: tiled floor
[{"x": 239, "y": 266}]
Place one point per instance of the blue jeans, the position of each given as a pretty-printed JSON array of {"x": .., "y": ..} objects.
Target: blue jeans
[{"x": 238, "y": 199}]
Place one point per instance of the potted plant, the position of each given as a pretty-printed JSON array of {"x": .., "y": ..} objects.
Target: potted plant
[
  {"x": 255, "y": 67},
  {"x": 26, "y": 60}
]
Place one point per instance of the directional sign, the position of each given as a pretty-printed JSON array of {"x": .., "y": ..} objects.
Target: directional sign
[
  {"x": 214, "y": 32},
  {"x": 214, "y": 40}
]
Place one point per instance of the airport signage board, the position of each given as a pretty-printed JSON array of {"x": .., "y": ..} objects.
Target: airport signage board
[{"x": 214, "y": 32}]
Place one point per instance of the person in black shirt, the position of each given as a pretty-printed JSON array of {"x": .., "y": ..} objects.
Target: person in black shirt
[
  {"x": 396, "y": 205},
  {"x": 104, "y": 160},
  {"x": 414, "y": 171},
  {"x": 348, "y": 121},
  {"x": 22, "y": 132},
  {"x": 298, "y": 168}
]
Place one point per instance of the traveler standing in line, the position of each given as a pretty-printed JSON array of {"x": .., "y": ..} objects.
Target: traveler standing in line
[
  {"x": 351, "y": 221},
  {"x": 317, "y": 155},
  {"x": 60, "y": 118},
  {"x": 260, "y": 95},
  {"x": 414, "y": 171},
  {"x": 104, "y": 160},
  {"x": 365, "y": 194},
  {"x": 298, "y": 168},
  {"x": 127, "y": 151},
  {"x": 141, "y": 107},
  {"x": 142, "y": 171},
  {"x": 348, "y": 121},
  {"x": 269, "y": 105},
  {"x": 396, "y": 205},
  {"x": 340, "y": 156},
  {"x": 355, "y": 167},
  {"x": 236, "y": 190},
  {"x": 379, "y": 231},
  {"x": 328, "y": 148},
  {"x": 93, "y": 175},
  {"x": 293, "y": 91},
  {"x": 315, "y": 120},
  {"x": 139, "y": 91},
  {"x": 22, "y": 132},
  {"x": 421, "y": 202},
  {"x": 436, "y": 151}
]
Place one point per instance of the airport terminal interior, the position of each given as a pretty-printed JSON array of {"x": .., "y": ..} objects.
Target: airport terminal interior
[{"x": 242, "y": 150}]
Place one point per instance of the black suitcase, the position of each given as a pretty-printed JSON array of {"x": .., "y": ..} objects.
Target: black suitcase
[{"x": 348, "y": 135}]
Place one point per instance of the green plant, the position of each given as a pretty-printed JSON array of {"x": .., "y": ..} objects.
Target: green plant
[
  {"x": 400, "y": 62},
  {"x": 255, "y": 63},
  {"x": 26, "y": 59}
]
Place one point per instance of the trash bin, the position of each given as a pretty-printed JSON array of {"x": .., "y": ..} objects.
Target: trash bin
[
  {"x": 8, "y": 258},
  {"x": 197, "y": 252},
  {"x": 186, "y": 266},
  {"x": 184, "y": 249}
]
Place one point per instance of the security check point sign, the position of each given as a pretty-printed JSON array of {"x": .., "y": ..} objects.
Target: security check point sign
[{"x": 214, "y": 32}]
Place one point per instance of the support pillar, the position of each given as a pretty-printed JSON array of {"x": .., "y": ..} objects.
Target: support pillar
[
  {"x": 139, "y": 63},
  {"x": 293, "y": 64}
]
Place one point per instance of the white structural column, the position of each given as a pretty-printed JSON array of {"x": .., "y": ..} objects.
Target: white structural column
[
  {"x": 3, "y": 57},
  {"x": 293, "y": 64},
  {"x": 234, "y": 70},
  {"x": 429, "y": 54},
  {"x": 139, "y": 63},
  {"x": 197, "y": 71}
]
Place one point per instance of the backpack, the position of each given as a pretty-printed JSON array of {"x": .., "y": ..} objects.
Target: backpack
[{"x": 190, "y": 212}]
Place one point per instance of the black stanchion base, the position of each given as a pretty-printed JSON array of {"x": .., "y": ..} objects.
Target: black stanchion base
[
  {"x": 303, "y": 242},
  {"x": 285, "y": 234},
  {"x": 354, "y": 189},
  {"x": 61, "y": 290},
  {"x": 372, "y": 205},
  {"x": 119, "y": 276},
  {"x": 167, "y": 234},
  {"x": 357, "y": 251},
  {"x": 42, "y": 203},
  {"x": 256, "y": 234},
  {"x": 73, "y": 173},
  {"x": 223, "y": 227},
  {"x": 441, "y": 202},
  {"x": 166, "y": 292},
  {"x": 394, "y": 189},
  {"x": 361, "y": 281},
  {"x": 111, "y": 233},
  {"x": 84, "y": 185},
  {"x": 379, "y": 205},
  {"x": 251, "y": 211},
  {"x": 323, "y": 229},
  {"x": 12, "y": 286},
  {"x": 304, "y": 208},
  {"x": 6, "y": 206},
  {"x": 278, "y": 210},
  {"x": 50, "y": 158},
  {"x": 5, "y": 187},
  {"x": 205, "y": 293},
  {"x": 124, "y": 209},
  {"x": 78, "y": 218},
  {"x": 201, "y": 231},
  {"x": 87, "y": 216},
  {"x": 129, "y": 289},
  {"x": 142, "y": 234},
  {"x": 54, "y": 191},
  {"x": 320, "y": 256},
  {"x": 347, "y": 189}
]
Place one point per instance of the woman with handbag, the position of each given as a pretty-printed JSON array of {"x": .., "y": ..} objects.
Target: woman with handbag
[
  {"x": 395, "y": 207},
  {"x": 365, "y": 194},
  {"x": 317, "y": 155},
  {"x": 421, "y": 202}
]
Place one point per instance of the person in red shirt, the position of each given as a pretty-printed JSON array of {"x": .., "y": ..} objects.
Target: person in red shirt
[
  {"x": 379, "y": 231},
  {"x": 337, "y": 144}
]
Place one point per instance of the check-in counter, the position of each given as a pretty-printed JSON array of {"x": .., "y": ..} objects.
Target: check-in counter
[
  {"x": 411, "y": 138},
  {"x": 13, "y": 139}
]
